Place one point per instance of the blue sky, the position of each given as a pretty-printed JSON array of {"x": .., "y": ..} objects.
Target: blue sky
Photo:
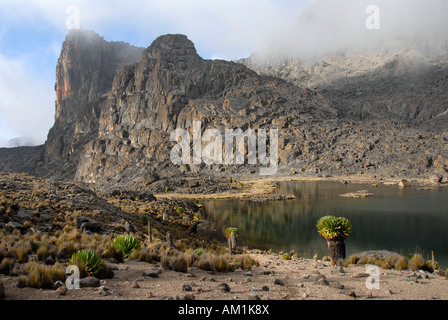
[{"x": 32, "y": 33}]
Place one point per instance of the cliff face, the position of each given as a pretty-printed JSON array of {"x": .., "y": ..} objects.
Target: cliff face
[
  {"x": 84, "y": 74},
  {"x": 170, "y": 88}
]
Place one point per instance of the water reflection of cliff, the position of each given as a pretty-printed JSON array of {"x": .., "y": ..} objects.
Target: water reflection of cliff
[{"x": 395, "y": 219}]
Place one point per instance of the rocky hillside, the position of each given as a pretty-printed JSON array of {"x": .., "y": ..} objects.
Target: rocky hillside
[
  {"x": 117, "y": 105},
  {"x": 402, "y": 83}
]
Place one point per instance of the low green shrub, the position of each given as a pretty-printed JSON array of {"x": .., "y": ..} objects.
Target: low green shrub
[
  {"x": 126, "y": 243},
  {"x": 88, "y": 262}
]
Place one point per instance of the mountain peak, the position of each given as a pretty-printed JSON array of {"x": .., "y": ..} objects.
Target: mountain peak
[{"x": 174, "y": 51}]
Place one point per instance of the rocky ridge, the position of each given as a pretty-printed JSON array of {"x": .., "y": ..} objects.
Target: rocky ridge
[{"x": 117, "y": 105}]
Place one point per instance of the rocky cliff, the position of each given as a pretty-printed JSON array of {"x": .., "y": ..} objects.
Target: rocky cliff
[
  {"x": 117, "y": 105},
  {"x": 84, "y": 74}
]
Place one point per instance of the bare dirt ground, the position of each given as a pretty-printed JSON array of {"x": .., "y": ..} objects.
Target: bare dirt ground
[{"x": 273, "y": 279}]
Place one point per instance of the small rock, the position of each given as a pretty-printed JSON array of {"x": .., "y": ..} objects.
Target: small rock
[
  {"x": 247, "y": 280},
  {"x": 61, "y": 291},
  {"x": 254, "y": 289},
  {"x": 136, "y": 285},
  {"x": 352, "y": 294},
  {"x": 265, "y": 288},
  {"x": 338, "y": 270},
  {"x": 361, "y": 275},
  {"x": 89, "y": 282},
  {"x": 224, "y": 287},
  {"x": 267, "y": 272},
  {"x": 436, "y": 179},
  {"x": 323, "y": 282},
  {"x": 186, "y": 288},
  {"x": 252, "y": 296},
  {"x": 211, "y": 279},
  {"x": 279, "y": 282},
  {"x": 404, "y": 184},
  {"x": 49, "y": 261},
  {"x": 151, "y": 274},
  {"x": 103, "y": 290},
  {"x": 337, "y": 285},
  {"x": 189, "y": 297},
  {"x": 248, "y": 274}
]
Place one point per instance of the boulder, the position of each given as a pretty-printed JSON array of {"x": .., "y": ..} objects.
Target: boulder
[
  {"x": 89, "y": 282},
  {"x": 404, "y": 184}
]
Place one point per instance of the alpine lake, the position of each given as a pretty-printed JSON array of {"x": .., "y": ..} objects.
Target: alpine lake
[{"x": 402, "y": 220}]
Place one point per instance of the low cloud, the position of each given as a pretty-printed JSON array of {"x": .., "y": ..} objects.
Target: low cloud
[{"x": 26, "y": 104}]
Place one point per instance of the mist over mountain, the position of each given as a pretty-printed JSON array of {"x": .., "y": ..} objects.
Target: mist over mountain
[
  {"x": 381, "y": 114},
  {"x": 341, "y": 27}
]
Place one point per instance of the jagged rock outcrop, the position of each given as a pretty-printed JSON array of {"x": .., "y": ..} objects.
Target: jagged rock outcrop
[
  {"x": 170, "y": 88},
  {"x": 84, "y": 74}
]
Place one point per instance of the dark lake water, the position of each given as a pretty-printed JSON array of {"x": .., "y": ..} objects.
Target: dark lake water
[{"x": 405, "y": 221}]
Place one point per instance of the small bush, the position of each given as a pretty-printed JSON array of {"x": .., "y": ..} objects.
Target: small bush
[
  {"x": 144, "y": 219},
  {"x": 180, "y": 263},
  {"x": 88, "y": 262},
  {"x": 22, "y": 282},
  {"x": 199, "y": 251},
  {"x": 112, "y": 252},
  {"x": 245, "y": 261},
  {"x": 353, "y": 259},
  {"x": 180, "y": 210},
  {"x": 222, "y": 264},
  {"x": 149, "y": 255},
  {"x": 126, "y": 243},
  {"x": 44, "y": 277},
  {"x": 363, "y": 260},
  {"x": 22, "y": 254},
  {"x": 228, "y": 232},
  {"x": 286, "y": 256},
  {"x": 42, "y": 253},
  {"x": 6, "y": 266},
  {"x": 416, "y": 262}
]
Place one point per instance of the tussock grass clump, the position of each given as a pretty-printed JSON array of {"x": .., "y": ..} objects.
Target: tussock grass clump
[
  {"x": 42, "y": 253},
  {"x": 44, "y": 277},
  {"x": 149, "y": 255},
  {"x": 22, "y": 252},
  {"x": 417, "y": 262},
  {"x": 246, "y": 262},
  {"x": 7, "y": 265},
  {"x": 112, "y": 252},
  {"x": 353, "y": 259},
  {"x": 180, "y": 263}
]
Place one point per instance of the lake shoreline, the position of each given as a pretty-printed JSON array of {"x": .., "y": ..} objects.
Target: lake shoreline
[{"x": 267, "y": 186}]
